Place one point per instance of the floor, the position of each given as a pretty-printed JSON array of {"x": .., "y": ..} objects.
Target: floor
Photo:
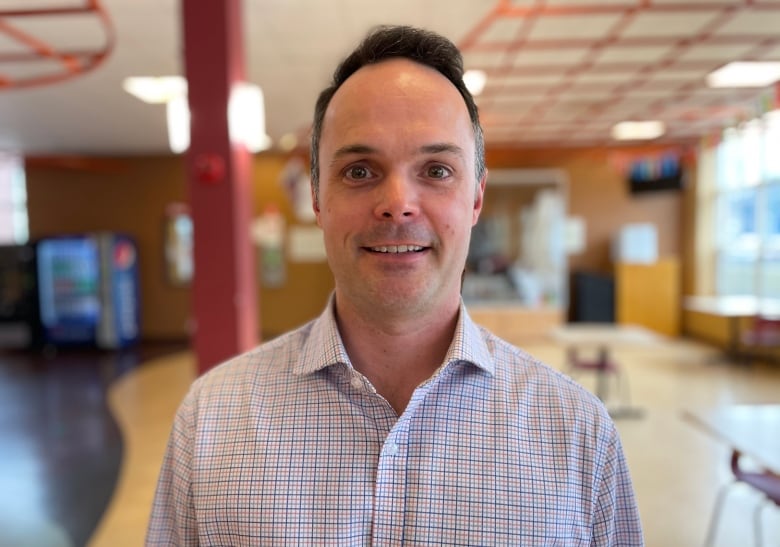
[
  {"x": 82, "y": 436},
  {"x": 61, "y": 449}
]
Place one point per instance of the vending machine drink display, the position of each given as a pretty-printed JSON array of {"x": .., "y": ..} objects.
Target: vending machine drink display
[
  {"x": 88, "y": 290},
  {"x": 119, "y": 323}
]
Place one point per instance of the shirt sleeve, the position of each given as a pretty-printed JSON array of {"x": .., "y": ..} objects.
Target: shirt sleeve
[
  {"x": 173, "y": 519},
  {"x": 616, "y": 520}
]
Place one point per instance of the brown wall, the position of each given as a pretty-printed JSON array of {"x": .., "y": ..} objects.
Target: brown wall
[
  {"x": 598, "y": 193},
  {"x": 130, "y": 195},
  {"x": 307, "y": 287},
  {"x": 125, "y": 195}
]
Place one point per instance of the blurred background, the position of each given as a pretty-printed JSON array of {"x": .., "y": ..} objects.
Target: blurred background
[{"x": 634, "y": 157}]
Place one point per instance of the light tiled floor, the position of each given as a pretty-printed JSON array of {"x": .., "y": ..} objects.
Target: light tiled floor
[
  {"x": 677, "y": 468},
  {"x": 143, "y": 403}
]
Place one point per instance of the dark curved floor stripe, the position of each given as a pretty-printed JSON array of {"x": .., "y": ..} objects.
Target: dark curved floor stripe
[{"x": 60, "y": 448}]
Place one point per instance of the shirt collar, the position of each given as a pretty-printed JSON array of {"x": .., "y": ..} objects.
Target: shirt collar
[
  {"x": 324, "y": 347},
  {"x": 469, "y": 344}
]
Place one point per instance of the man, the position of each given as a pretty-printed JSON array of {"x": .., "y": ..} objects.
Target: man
[{"x": 393, "y": 419}]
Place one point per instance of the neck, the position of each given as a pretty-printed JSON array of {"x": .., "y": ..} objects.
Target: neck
[{"x": 396, "y": 354}]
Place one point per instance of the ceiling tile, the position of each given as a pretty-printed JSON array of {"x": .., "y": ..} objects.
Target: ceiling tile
[
  {"x": 715, "y": 53},
  {"x": 9, "y": 45},
  {"x": 503, "y": 30},
  {"x": 584, "y": 93},
  {"x": 605, "y": 78},
  {"x": 636, "y": 55},
  {"x": 576, "y": 26},
  {"x": 24, "y": 70},
  {"x": 71, "y": 32},
  {"x": 696, "y": 2},
  {"x": 530, "y": 80},
  {"x": 585, "y": 3},
  {"x": 14, "y": 5},
  {"x": 755, "y": 21},
  {"x": 543, "y": 59},
  {"x": 667, "y": 24},
  {"x": 772, "y": 54},
  {"x": 512, "y": 99},
  {"x": 482, "y": 59},
  {"x": 680, "y": 76}
]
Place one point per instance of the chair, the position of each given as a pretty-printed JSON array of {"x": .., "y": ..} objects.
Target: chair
[
  {"x": 763, "y": 336},
  {"x": 603, "y": 366},
  {"x": 765, "y": 482}
]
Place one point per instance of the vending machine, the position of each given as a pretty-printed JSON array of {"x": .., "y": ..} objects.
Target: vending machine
[{"x": 88, "y": 290}]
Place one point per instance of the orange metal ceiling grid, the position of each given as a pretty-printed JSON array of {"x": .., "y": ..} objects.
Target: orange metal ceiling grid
[
  {"x": 615, "y": 60},
  {"x": 560, "y": 72},
  {"x": 23, "y": 48}
]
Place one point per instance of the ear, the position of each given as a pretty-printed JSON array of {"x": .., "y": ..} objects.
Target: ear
[
  {"x": 315, "y": 204},
  {"x": 479, "y": 198}
]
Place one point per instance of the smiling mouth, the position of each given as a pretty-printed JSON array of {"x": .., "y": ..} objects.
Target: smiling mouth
[{"x": 396, "y": 249}]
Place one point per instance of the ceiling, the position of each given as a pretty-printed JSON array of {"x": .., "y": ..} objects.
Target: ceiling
[{"x": 560, "y": 72}]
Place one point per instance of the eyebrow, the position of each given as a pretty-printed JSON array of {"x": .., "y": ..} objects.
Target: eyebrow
[
  {"x": 350, "y": 149},
  {"x": 435, "y": 148},
  {"x": 439, "y": 147}
]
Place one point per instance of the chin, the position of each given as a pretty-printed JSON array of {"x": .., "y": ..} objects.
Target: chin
[
  {"x": 418, "y": 299},
  {"x": 394, "y": 299}
]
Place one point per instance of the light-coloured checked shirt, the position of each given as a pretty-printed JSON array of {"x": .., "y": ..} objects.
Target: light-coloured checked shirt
[{"x": 290, "y": 445}]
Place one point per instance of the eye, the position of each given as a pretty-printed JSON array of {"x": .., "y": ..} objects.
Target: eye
[
  {"x": 437, "y": 172},
  {"x": 357, "y": 172}
]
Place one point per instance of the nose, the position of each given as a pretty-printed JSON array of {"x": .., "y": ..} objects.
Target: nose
[{"x": 397, "y": 198}]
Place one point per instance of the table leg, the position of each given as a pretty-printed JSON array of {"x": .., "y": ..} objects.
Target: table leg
[
  {"x": 734, "y": 336},
  {"x": 602, "y": 372}
]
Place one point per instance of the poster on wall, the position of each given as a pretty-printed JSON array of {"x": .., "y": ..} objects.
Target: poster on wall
[
  {"x": 296, "y": 182},
  {"x": 574, "y": 235},
  {"x": 179, "y": 261},
  {"x": 306, "y": 244},
  {"x": 268, "y": 234}
]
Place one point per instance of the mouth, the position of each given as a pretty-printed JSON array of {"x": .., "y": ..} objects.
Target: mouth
[{"x": 396, "y": 249}]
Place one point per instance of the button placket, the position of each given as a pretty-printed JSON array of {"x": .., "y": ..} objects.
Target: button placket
[{"x": 390, "y": 492}]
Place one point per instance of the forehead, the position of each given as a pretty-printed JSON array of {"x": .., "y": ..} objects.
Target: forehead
[{"x": 398, "y": 95}]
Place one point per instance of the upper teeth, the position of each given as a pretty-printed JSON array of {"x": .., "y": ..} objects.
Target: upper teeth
[{"x": 397, "y": 248}]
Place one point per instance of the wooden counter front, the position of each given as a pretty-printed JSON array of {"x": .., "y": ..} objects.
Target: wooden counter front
[{"x": 516, "y": 324}]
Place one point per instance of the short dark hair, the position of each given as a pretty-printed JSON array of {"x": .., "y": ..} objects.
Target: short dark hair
[{"x": 387, "y": 42}]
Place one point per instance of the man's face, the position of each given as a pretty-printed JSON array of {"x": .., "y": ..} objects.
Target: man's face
[{"x": 398, "y": 195}]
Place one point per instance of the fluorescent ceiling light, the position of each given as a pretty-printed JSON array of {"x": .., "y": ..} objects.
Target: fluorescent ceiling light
[
  {"x": 178, "y": 117},
  {"x": 632, "y": 131},
  {"x": 288, "y": 142},
  {"x": 246, "y": 110},
  {"x": 156, "y": 89},
  {"x": 475, "y": 81},
  {"x": 246, "y": 117},
  {"x": 745, "y": 74}
]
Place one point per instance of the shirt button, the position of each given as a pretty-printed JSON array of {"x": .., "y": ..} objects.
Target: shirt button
[
  {"x": 356, "y": 382},
  {"x": 391, "y": 449}
]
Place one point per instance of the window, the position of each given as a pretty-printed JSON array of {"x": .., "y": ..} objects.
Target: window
[
  {"x": 747, "y": 210},
  {"x": 13, "y": 201}
]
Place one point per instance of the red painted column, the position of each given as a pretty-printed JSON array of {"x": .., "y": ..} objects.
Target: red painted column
[{"x": 224, "y": 295}]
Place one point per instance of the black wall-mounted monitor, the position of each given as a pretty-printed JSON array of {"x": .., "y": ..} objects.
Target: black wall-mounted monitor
[{"x": 660, "y": 173}]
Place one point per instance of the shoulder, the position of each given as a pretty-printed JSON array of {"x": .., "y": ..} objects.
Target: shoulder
[
  {"x": 262, "y": 369},
  {"x": 535, "y": 384},
  {"x": 552, "y": 409}
]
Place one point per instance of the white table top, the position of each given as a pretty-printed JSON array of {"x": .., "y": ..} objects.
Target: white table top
[
  {"x": 754, "y": 430},
  {"x": 733, "y": 306},
  {"x": 604, "y": 334}
]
